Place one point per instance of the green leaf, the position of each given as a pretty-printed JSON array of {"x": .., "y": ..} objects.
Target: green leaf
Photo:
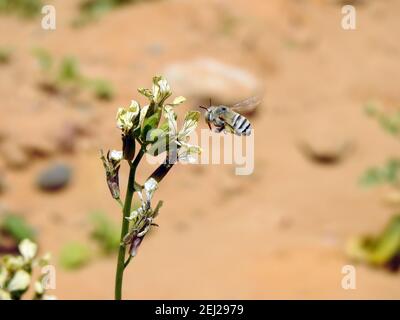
[
  {"x": 69, "y": 70},
  {"x": 389, "y": 173},
  {"x": 44, "y": 58},
  {"x": 18, "y": 228},
  {"x": 105, "y": 232},
  {"x": 74, "y": 255},
  {"x": 150, "y": 123}
]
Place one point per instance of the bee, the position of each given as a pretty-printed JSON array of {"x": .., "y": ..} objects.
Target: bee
[{"x": 226, "y": 119}]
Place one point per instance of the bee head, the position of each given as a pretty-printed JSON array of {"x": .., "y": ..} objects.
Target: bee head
[{"x": 207, "y": 115}]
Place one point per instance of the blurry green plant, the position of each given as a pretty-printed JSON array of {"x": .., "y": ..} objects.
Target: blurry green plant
[
  {"x": 91, "y": 10},
  {"x": 66, "y": 76},
  {"x": 105, "y": 232},
  {"x": 16, "y": 273},
  {"x": 144, "y": 131},
  {"x": 24, "y": 8},
  {"x": 389, "y": 172},
  {"x": 389, "y": 122},
  {"x": 382, "y": 250},
  {"x": 17, "y": 227},
  {"x": 74, "y": 255},
  {"x": 5, "y": 54}
]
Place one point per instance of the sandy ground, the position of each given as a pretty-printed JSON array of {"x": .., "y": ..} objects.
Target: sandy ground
[{"x": 279, "y": 233}]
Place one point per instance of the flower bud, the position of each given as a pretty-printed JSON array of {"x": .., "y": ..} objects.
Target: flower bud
[
  {"x": 111, "y": 164},
  {"x": 128, "y": 147}
]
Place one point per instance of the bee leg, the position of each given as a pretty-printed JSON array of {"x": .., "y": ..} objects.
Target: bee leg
[{"x": 218, "y": 129}]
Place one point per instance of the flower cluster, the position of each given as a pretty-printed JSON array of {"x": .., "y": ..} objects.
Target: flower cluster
[
  {"x": 143, "y": 124},
  {"x": 142, "y": 218},
  {"x": 149, "y": 129},
  {"x": 16, "y": 273}
]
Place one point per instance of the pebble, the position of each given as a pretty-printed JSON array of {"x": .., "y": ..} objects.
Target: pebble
[
  {"x": 206, "y": 78},
  {"x": 325, "y": 147},
  {"x": 55, "y": 177}
]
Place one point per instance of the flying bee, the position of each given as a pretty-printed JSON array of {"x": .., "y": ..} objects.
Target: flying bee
[{"x": 226, "y": 119}]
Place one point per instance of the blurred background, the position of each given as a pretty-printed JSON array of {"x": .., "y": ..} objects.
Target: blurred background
[{"x": 281, "y": 232}]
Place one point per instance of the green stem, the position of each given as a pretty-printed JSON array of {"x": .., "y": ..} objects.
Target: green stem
[{"x": 125, "y": 224}]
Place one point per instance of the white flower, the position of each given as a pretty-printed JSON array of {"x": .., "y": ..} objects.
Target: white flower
[
  {"x": 142, "y": 116},
  {"x": 3, "y": 277},
  {"x": 39, "y": 288},
  {"x": 125, "y": 117},
  {"x": 160, "y": 90},
  {"x": 188, "y": 153},
  {"x": 150, "y": 187},
  {"x": 115, "y": 155},
  {"x": 189, "y": 125},
  {"x": 49, "y": 297},
  {"x": 13, "y": 263},
  {"x": 28, "y": 249},
  {"x": 4, "y": 295},
  {"x": 20, "y": 281}
]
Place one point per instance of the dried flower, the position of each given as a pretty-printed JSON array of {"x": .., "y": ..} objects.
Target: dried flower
[{"x": 111, "y": 164}]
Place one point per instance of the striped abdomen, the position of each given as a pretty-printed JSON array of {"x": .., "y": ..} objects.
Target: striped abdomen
[{"x": 241, "y": 125}]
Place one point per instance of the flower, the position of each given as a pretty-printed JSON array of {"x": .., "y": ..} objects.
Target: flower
[
  {"x": 150, "y": 187},
  {"x": 176, "y": 141},
  {"x": 159, "y": 92},
  {"x": 4, "y": 274},
  {"x": 126, "y": 117},
  {"x": 111, "y": 164},
  {"x": 20, "y": 281},
  {"x": 28, "y": 249},
  {"x": 4, "y": 295},
  {"x": 143, "y": 217},
  {"x": 161, "y": 89}
]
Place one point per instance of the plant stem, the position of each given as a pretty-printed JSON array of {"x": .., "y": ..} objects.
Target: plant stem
[{"x": 125, "y": 224}]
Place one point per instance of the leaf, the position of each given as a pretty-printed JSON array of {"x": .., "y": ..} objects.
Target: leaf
[
  {"x": 69, "y": 70},
  {"x": 105, "y": 232},
  {"x": 18, "y": 228},
  {"x": 150, "y": 123},
  {"x": 389, "y": 173},
  {"x": 74, "y": 255}
]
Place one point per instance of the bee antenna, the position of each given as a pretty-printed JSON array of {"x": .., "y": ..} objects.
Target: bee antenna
[
  {"x": 203, "y": 107},
  {"x": 210, "y": 102}
]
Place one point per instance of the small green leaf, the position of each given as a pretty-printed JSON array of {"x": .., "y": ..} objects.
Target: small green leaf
[
  {"x": 74, "y": 255},
  {"x": 17, "y": 227},
  {"x": 105, "y": 232}
]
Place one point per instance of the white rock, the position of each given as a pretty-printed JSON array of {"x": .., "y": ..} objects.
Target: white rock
[{"x": 206, "y": 78}]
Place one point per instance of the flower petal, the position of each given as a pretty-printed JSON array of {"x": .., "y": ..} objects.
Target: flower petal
[
  {"x": 20, "y": 281},
  {"x": 190, "y": 124},
  {"x": 150, "y": 187},
  {"x": 28, "y": 249}
]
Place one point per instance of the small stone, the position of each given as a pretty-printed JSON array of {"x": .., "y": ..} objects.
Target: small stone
[
  {"x": 155, "y": 48},
  {"x": 55, "y": 177},
  {"x": 325, "y": 147},
  {"x": 14, "y": 156},
  {"x": 205, "y": 78}
]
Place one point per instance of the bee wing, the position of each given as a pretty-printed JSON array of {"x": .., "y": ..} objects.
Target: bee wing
[{"x": 247, "y": 104}]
